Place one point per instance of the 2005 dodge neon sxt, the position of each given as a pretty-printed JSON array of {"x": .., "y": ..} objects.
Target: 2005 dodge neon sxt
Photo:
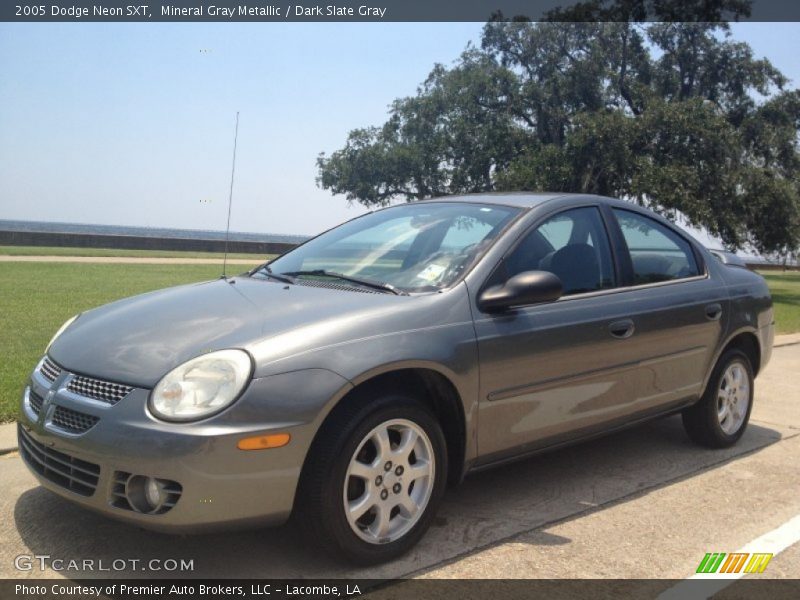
[{"x": 349, "y": 380}]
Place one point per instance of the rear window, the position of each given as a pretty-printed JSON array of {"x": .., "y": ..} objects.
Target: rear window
[{"x": 657, "y": 252}]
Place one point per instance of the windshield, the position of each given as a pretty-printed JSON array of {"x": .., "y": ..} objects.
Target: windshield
[{"x": 413, "y": 247}]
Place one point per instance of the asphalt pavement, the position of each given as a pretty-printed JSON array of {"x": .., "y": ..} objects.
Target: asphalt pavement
[{"x": 643, "y": 503}]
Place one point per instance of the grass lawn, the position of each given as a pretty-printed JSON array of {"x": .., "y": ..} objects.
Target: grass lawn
[
  {"x": 64, "y": 251},
  {"x": 785, "y": 288},
  {"x": 36, "y": 298}
]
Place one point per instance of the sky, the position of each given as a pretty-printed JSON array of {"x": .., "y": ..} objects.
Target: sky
[{"x": 133, "y": 124}]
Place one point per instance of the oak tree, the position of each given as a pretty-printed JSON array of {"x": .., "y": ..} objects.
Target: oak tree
[{"x": 677, "y": 116}]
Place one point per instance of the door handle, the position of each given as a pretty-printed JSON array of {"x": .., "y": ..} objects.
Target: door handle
[
  {"x": 622, "y": 329},
  {"x": 713, "y": 312}
]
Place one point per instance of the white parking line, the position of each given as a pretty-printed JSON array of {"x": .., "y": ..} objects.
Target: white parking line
[{"x": 773, "y": 542}]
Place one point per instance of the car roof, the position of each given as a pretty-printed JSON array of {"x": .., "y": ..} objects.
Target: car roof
[
  {"x": 529, "y": 200},
  {"x": 519, "y": 199}
]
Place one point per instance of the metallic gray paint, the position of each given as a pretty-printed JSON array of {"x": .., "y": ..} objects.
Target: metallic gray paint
[{"x": 527, "y": 379}]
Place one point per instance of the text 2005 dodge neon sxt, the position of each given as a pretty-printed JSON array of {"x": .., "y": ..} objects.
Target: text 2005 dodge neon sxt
[{"x": 350, "y": 379}]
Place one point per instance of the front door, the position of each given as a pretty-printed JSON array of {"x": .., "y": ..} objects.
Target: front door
[{"x": 553, "y": 370}]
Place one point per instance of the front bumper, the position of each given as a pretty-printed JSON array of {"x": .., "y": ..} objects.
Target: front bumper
[{"x": 221, "y": 487}]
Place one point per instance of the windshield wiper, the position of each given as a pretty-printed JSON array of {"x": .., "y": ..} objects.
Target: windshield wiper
[
  {"x": 268, "y": 271},
  {"x": 377, "y": 285}
]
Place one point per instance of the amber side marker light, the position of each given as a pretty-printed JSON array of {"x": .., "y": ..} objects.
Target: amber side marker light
[{"x": 262, "y": 442}]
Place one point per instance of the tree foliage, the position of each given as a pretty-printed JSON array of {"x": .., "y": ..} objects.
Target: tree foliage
[{"x": 675, "y": 116}]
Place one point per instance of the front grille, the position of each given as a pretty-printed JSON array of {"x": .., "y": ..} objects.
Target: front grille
[
  {"x": 98, "y": 389},
  {"x": 62, "y": 469},
  {"x": 35, "y": 401},
  {"x": 72, "y": 420},
  {"x": 49, "y": 369}
]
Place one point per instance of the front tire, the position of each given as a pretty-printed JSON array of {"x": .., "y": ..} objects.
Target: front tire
[
  {"x": 720, "y": 418},
  {"x": 374, "y": 478}
]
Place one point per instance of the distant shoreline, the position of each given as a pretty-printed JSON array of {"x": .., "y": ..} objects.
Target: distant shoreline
[{"x": 51, "y": 227}]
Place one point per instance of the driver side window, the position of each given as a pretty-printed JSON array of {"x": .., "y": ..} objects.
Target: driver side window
[{"x": 572, "y": 245}]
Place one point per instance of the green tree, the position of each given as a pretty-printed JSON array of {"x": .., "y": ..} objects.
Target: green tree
[{"x": 675, "y": 116}]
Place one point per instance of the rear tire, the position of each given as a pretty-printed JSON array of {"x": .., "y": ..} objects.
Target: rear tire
[
  {"x": 720, "y": 418},
  {"x": 373, "y": 480}
]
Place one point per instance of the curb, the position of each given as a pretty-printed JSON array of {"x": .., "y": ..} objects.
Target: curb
[
  {"x": 788, "y": 339},
  {"x": 8, "y": 438}
]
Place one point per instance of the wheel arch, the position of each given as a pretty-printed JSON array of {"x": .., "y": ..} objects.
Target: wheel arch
[
  {"x": 433, "y": 387},
  {"x": 747, "y": 341}
]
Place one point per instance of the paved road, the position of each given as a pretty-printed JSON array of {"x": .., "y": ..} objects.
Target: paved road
[{"x": 643, "y": 503}]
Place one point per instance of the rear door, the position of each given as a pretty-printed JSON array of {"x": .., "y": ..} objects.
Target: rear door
[{"x": 679, "y": 311}]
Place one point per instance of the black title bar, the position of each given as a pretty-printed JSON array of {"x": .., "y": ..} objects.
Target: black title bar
[
  {"x": 395, "y": 10},
  {"x": 401, "y": 589}
]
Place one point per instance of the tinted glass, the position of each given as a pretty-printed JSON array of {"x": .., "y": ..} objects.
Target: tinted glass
[
  {"x": 573, "y": 245},
  {"x": 657, "y": 252},
  {"x": 414, "y": 247}
]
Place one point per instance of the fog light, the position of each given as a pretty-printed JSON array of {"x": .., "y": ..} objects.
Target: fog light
[
  {"x": 152, "y": 491},
  {"x": 145, "y": 494}
]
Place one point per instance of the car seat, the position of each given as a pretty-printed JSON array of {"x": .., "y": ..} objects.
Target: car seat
[{"x": 577, "y": 267}]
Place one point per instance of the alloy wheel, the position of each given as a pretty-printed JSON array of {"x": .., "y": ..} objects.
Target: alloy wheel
[
  {"x": 733, "y": 398},
  {"x": 389, "y": 481}
]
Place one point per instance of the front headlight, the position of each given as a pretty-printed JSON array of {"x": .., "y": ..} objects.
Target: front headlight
[
  {"x": 202, "y": 386},
  {"x": 60, "y": 331}
]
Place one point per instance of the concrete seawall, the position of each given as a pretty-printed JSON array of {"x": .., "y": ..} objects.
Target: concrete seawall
[
  {"x": 141, "y": 242},
  {"x": 772, "y": 267},
  {"x": 132, "y": 242}
]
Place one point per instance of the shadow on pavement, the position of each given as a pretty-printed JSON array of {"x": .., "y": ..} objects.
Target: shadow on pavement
[{"x": 487, "y": 508}]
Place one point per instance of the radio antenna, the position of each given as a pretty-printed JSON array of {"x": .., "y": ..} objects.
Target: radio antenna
[{"x": 230, "y": 199}]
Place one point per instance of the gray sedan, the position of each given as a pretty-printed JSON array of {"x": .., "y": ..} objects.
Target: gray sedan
[{"x": 350, "y": 380}]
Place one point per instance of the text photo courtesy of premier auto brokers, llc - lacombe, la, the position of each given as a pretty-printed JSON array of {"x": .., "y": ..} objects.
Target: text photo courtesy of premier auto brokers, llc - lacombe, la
[{"x": 400, "y": 300}]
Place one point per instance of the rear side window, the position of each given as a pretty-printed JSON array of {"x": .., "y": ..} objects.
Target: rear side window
[
  {"x": 657, "y": 252},
  {"x": 573, "y": 245}
]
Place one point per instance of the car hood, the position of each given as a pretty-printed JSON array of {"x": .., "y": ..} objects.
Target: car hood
[{"x": 138, "y": 340}]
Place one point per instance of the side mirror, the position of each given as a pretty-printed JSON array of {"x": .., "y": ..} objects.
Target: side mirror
[{"x": 528, "y": 287}]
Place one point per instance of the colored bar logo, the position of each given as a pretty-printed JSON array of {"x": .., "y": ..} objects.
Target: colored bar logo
[{"x": 719, "y": 562}]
